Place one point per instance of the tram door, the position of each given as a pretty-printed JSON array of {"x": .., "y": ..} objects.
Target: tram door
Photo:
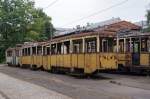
[{"x": 136, "y": 52}]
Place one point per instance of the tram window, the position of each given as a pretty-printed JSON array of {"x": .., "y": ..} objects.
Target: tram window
[
  {"x": 77, "y": 46},
  {"x": 144, "y": 45},
  {"x": 131, "y": 47},
  {"x": 114, "y": 46},
  {"x": 59, "y": 48},
  {"x": 53, "y": 49},
  {"x": 107, "y": 45},
  {"x": 104, "y": 45},
  {"x": 22, "y": 52},
  {"x": 48, "y": 50},
  {"x": 127, "y": 46},
  {"x": 34, "y": 50},
  {"x": 110, "y": 44},
  {"x": 17, "y": 53},
  {"x": 136, "y": 47},
  {"x": 28, "y": 51},
  {"x": 9, "y": 53},
  {"x": 66, "y": 47},
  {"x": 148, "y": 45},
  {"x": 121, "y": 46},
  {"x": 39, "y": 50},
  {"x": 90, "y": 45},
  {"x": 44, "y": 50}
]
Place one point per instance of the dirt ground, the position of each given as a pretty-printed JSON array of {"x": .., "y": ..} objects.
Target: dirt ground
[{"x": 108, "y": 86}]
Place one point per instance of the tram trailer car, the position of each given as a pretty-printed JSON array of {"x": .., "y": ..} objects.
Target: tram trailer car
[
  {"x": 135, "y": 48},
  {"x": 12, "y": 56},
  {"x": 78, "y": 54},
  {"x": 9, "y": 56}
]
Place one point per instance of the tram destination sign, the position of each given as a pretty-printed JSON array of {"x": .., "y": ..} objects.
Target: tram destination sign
[{"x": 126, "y": 32}]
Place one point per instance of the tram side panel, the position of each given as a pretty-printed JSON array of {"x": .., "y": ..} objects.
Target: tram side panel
[
  {"x": 89, "y": 63},
  {"x": 53, "y": 60},
  {"x": 39, "y": 61},
  {"x": 60, "y": 60},
  {"x": 80, "y": 60},
  {"x": 108, "y": 61},
  {"x": 45, "y": 62},
  {"x": 124, "y": 60},
  {"x": 26, "y": 60},
  {"x": 99, "y": 61},
  {"x": 145, "y": 59},
  {"x": 49, "y": 62},
  {"x": 67, "y": 60},
  {"x": 74, "y": 60}
]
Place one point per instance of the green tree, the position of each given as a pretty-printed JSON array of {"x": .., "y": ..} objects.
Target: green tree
[
  {"x": 148, "y": 16},
  {"x": 148, "y": 21},
  {"x": 41, "y": 25},
  {"x": 48, "y": 29},
  {"x": 20, "y": 21}
]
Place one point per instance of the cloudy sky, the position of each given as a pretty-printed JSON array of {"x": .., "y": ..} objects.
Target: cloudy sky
[{"x": 67, "y": 13}]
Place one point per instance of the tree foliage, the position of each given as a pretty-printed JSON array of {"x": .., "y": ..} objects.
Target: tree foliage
[
  {"x": 148, "y": 21},
  {"x": 20, "y": 21},
  {"x": 148, "y": 16}
]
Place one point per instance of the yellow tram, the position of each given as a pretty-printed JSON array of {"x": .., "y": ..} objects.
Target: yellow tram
[
  {"x": 134, "y": 52},
  {"x": 75, "y": 53},
  {"x": 86, "y": 51}
]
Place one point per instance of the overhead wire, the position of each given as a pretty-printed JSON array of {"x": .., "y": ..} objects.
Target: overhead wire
[
  {"x": 95, "y": 13},
  {"x": 51, "y": 4}
]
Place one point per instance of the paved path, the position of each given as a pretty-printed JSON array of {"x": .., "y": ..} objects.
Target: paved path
[{"x": 11, "y": 88}]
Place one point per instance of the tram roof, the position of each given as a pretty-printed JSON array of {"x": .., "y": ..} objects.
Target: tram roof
[
  {"x": 13, "y": 48},
  {"x": 105, "y": 31},
  {"x": 10, "y": 49}
]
